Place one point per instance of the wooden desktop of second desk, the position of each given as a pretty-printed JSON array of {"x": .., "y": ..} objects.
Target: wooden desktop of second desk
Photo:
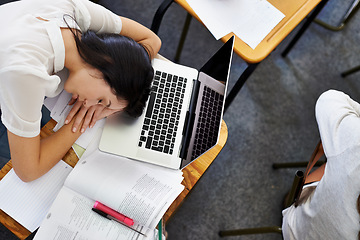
[
  {"x": 192, "y": 173},
  {"x": 294, "y": 10}
]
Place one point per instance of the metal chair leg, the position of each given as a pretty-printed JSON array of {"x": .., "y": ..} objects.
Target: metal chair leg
[
  {"x": 183, "y": 37},
  {"x": 245, "y": 231},
  {"x": 159, "y": 15},
  {"x": 160, "y": 12},
  {"x": 294, "y": 164},
  {"x": 350, "y": 71},
  {"x": 350, "y": 12},
  {"x": 239, "y": 83},
  {"x": 306, "y": 24}
]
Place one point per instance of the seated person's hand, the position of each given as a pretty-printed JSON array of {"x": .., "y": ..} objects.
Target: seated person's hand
[{"x": 89, "y": 115}]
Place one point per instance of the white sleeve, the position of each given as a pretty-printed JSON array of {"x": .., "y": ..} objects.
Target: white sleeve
[
  {"x": 338, "y": 118},
  {"x": 92, "y": 16},
  {"x": 22, "y": 94}
]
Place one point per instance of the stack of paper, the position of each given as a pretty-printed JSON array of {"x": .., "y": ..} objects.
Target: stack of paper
[{"x": 250, "y": 20}]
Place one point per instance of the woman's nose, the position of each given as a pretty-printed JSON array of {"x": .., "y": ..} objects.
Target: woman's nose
[{"x": 88, "y": 103}]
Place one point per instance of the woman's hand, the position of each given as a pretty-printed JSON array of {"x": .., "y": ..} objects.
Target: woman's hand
[{"x": 89, "y": 114}]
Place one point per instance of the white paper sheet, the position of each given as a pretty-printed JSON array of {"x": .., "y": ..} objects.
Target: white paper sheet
[
  {"x": 61, "y": 108},
  {"x": 28, "y": 203},
  {"x": 250, "y": 20},
  {"x": 50, "y": 103}
]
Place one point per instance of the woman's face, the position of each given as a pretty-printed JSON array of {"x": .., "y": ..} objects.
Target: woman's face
[{"x": 87, "y": 85}]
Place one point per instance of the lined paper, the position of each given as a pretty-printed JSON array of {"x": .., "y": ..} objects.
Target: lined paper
[{"x": 28, "y": 203}]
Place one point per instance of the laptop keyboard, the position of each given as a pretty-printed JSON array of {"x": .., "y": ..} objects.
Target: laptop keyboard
[
  {"x": 163, "y": 112},
  {"x": 210, "y": 116}
]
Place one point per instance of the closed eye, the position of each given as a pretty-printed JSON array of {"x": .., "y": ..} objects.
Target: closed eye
[{"x": 101, "y": 100}]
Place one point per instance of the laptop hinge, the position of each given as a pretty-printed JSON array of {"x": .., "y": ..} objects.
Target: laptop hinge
[{"x": 189, "y": 121}]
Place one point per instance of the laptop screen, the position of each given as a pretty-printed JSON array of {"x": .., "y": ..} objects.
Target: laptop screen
[{"x": 208, "y": 112}]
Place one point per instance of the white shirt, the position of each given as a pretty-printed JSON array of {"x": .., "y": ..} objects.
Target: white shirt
[
  {"x": 331, "y": 212},
  {"x": 32, "y": 52}
]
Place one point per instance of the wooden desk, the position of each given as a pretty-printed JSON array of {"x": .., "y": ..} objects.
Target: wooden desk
[
  {"x": 192, "y": 173},
  {"x": 294, "y": 10}
]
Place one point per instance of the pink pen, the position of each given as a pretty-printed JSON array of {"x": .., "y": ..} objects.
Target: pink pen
[{"x": 128, "y": 221}]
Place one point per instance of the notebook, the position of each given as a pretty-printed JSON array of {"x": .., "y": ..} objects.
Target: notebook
[{"x": 183, "y": 115}]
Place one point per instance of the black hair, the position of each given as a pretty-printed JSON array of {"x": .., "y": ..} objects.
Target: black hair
[{"x": 124, "y": 63}]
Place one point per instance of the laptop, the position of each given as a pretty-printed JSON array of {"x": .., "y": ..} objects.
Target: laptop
[{"x": 183, "y": 115}]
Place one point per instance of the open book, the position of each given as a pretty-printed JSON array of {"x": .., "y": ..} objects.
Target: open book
[{"x": 138, "y": 190}]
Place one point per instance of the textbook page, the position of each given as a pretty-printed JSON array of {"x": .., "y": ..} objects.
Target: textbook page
[
  {"x": 71, "y": 217},
  {"x": 28, "y": 203},
  {"x": 139, "y": 190}
]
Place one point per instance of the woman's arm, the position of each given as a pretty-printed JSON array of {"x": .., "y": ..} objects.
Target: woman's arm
[
  {"x": 141, "y": 34},
  {"x": 103, "y": 20},
  {"x": 33, "y": 157}
]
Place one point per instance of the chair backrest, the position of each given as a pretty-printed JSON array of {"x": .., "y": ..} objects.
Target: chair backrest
[{"x": 316, "y": 155}]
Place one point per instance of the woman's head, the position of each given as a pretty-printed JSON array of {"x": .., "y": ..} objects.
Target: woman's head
[{"x": 124, "y": 64}]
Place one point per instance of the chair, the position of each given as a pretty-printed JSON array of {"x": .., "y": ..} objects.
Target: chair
[
  {"x": 350, "y": 12},
  {"x": 350, "y": 71},
  {"x": 295, "y": 12},
  {"x": 348, "y": 15},
  {"x": 292, "y": 198}
]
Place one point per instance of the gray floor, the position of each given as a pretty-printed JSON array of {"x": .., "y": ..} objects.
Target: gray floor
[{"x": 271, "y": 120}]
